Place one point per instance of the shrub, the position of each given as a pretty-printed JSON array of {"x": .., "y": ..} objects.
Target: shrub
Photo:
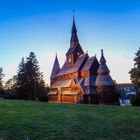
[{"x": 135, "y": 99}]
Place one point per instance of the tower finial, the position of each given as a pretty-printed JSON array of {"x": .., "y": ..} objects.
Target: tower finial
[
  {"x": 73, "y": 15},
  {"x": 102, "y": 52}
]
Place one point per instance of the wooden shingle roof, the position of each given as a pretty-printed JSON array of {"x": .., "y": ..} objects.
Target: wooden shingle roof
[
  {"x": 56, "y": 68},
  {"x": 77, "y": 66},
  {"x": 103, "y": 78}
]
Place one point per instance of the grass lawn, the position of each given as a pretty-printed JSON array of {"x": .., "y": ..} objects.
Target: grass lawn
[{"x": 28, "y": 120}]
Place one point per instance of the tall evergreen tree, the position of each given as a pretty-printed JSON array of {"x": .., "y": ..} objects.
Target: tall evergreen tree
[
  {"x": 30, "y": 83},
  {"x": 21, "y": 81}
]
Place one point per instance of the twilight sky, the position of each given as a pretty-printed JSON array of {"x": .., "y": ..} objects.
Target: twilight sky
[{"x": 44, "y": 27}]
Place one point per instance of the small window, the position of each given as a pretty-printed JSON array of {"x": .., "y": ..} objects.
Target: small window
[{"x": 69, "y": 59}]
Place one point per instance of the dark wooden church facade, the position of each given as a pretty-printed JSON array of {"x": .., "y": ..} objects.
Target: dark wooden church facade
[{"x": 82, "y": 79}]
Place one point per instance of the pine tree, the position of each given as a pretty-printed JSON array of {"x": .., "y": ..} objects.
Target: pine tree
[
  {"x": 30, "y": 83},
  {"x": 21, "y": 83}
]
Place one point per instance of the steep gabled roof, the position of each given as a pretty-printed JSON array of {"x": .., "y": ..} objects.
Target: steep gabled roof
[
  {"x": 81, "y": 60},
  {"x": 88, "y": 63},
  {"x": 56, "y": 68},
  {"x": 77, "y": 66}
]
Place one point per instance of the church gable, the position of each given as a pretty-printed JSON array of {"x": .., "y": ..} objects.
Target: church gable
[
  {"x": 77, "y": 66},
  {"x": 90, "y": 67}
]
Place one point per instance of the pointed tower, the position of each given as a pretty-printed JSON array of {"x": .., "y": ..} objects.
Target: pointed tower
[
  {"x": 104, "y": 84},
  {"x": 74, "y": 38},
  {"x": 55, "y": 70},
  {"x": 75, "y": 49}
]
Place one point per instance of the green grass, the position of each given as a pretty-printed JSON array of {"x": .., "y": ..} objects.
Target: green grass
[{"x": 27, "y": 120}]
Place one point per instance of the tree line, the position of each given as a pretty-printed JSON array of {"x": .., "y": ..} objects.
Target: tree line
[{"x": 28, "y": 84}]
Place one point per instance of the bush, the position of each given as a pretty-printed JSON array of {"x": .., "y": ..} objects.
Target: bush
[{"x": 135, "y": 99}]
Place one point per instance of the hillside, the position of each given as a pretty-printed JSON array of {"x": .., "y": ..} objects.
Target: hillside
[{"x": 28, "y": 120}]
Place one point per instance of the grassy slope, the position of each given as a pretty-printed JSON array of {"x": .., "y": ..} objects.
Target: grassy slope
[{"x": 41, "y": 121}]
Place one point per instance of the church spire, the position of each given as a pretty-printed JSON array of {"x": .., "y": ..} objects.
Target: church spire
[
  {"x": 102, "y": 60},
  {"x": 74, "y": 38},
  {"x": 56, "y": 68},
  {"x": 75, "y": 49}
]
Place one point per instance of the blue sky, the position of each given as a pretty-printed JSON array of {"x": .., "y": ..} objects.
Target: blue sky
[{"x": 44, "y": 26}]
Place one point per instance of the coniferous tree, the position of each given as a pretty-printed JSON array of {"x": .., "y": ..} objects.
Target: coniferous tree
[
  {"x": 21, "y": 81},
  {"x": 135, "y": 78},
  {"x": 30, "y": 83}
]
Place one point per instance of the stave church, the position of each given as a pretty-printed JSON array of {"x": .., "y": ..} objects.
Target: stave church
[{"x": 82, "y": 78}]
